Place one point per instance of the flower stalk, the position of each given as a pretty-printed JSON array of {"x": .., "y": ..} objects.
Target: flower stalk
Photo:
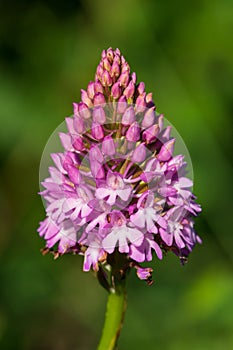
[{"x": 114, "y": 318}]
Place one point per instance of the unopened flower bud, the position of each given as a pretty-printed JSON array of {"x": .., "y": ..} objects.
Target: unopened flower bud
[
  {"x": 115, "y": 70},
  {"x": 96, "y": 154},
  {"x": 166, "y": 151},
  {"x": 149, "y": 100},
  {"x": 98, "y": 87},
  {"x": 139, "y": 154},
  {"x": 103, "y": 54},
  {"x": 67, "y": 162},
  {"x": 149, "y": 97},
  {"x": 141, "y": 88},
  {"x": 166, "y": 133},
  {"x": 73, "y": 174},
  {"x": 78, "y": 143},
  {"x": 83, "y": 110},
  {"x": 108, "y": 146},
  {"x": 117, "y": 59},
  {"x": 150, "y": 134},
  {"x": 125, "y": 67},
  {"x": 99, "y": 115},
  {"x": 110, "y": 54},
  {"x": 91, "y": 89},
  {"x": 75, "y": 108},
  {"x": 129, "y": 116},
  {"x": 117, "y": 51},
  {"x": 133, "y": 133},
  {"x": 85, "y": 98},
  {"x": 116, "y": 91},
  {"x": 141, "y": 103},
  {"x": 79, "y": 124},
  {"x": 122, "y": 105},
  {"x": 124, "y": 79},
  {"x": 66, "y": 141},
  {"x": 106, "y": 79},
  {"x": 97, "y": 131},
  {"x": 99, "y": 71},
  {"x": 148, "y": 118},
  {"x": 99, "y": 99},
  {"x": 129, "y": 91},
  {"x": 70, "y": 125},
  {"x": 160, "y": 121},
  {"x": 107, "y": 64},
  {"x": 97, "y": 170},
  {"x": 134, "y": 77}
]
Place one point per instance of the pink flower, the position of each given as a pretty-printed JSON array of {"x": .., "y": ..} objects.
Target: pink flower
[
  {"x": 114, "y": 187},
  {"x": 147, "y": 216},
  {"x": 121, "y": 234}
]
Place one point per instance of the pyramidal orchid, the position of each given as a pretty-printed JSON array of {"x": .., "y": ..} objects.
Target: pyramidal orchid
[{"x": 117, "y": 194}]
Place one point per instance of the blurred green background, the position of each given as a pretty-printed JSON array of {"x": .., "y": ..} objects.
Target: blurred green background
[{"x": 184, "y": 53}]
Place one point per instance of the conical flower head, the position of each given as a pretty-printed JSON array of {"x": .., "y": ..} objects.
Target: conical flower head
[{"x": 118, "y": 187}]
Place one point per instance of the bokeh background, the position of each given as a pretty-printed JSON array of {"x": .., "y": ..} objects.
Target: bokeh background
[{"x": 184, "y": 53}]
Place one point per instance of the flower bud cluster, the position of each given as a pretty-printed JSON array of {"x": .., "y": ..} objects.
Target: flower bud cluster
[{"x": 118, "y": 187}]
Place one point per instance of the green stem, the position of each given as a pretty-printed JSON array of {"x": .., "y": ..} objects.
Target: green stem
[{"x": 114, "y": 318}]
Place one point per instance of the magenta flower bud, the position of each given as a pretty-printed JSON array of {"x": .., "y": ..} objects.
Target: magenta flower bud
[
  {"x": 117, "y": 59},
  {"x": 97, "y": 170},
  {"x": 70, "y": 125},
  {"x": 160, "y": 121},
  {"x": 78, "y": 124},
  {"x": 129, "y": 91},
  {"x": 166, "y": 151},
  {"x": 99, "y": 71},
  {"x": 133, "y": 133},
  {"x": 150, "y": 134},
  {"x": 116, "y": 91},
  {"x": 95, "y": 154},
  {"x": 122, "y": 105},
  {"x": 115, "y": 70},
  {"x": 83, "y": 110},
  {"x": 67, "y": 162},
  {"x": 75, "y": 108},
  {"x": 91, "y": 89},
  {"x": 66, "y": 141},
  {"x": 97, "y": 131},
  {"x": 85, "y": 98},
  {"x": 106, "y": 64},
  {"x": 144, "y": 273},
  {"x": 103, "y": 54},
  {"x": 148, "y": 118},
  {"x": 134, "y": 77},
  {"x": 106, "y": 79},
  {"x": 78, "y": 143},
  {"x": 110, "y": 54},
  {"x": 141, "y": 88},
  {"x": 117, "y": 52},
  {"x": 139, "y": 154},
  {"x": 99, "y": 115},
  {"x": 125, "y": 67},
  {"x": 124, "y": 79},
  {"x": 99, "y": 99},
  {"x": 141, "y": 103},
  {"x": 129, "y": 116},
  {"x": 149, "y": 100},
  {"x": 166, "y": 133},
  {"x": 98, "y": 87},
  {"x": 108, "y": 146},
  {"x": 73, "y": 174}
]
